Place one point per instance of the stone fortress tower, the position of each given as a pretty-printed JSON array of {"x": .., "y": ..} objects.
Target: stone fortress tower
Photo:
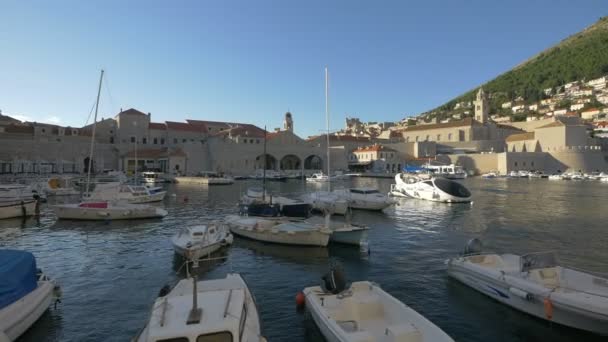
[
  {"x": 288, "y": 122},
  {"x": 482, "y": 107}
]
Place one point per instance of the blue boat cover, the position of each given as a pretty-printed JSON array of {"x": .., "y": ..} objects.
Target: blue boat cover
[
  {"x": 412, "y": 168},
  {"x": 17, "y": 275}
]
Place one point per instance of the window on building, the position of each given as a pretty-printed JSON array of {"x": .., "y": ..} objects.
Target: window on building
[
  {"x": 257, "y": 141},
  {"x": 438, "y": 137},
  {"x": 524, "y": 163},
  {"x": 111, "y": 140},
  {"x": 133, "y": 139},
  {"x": 184, "y": 140},
  {"x": 244, "y": 141},
  {"x": 175, "y": 140},
  {"x": 155, "y": 141},
  {"x": 428, "y": 137},
  {"x": 162, "y": 141},
  {"x": 416, "y": 138},
  {"x": 144, "y": 140},
  {"x": 531, "y": 163},
  {"x": 407, "y": 139},
  {"x": 449, "y": 136},
  {"x": 43, "y": 130},
  {"x": 515, "y": 163},
  {"x": 381, "y": 155}
]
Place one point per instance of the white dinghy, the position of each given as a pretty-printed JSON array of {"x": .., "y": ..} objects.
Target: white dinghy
[
  {"x": 537, "y": 285},
  {"x": 364, "y": 198},
  {"x": 196, "y": 242},
  {"x": 364, "y": 312},
  {"x": 279, "y": 231},
  {"x": 210, "y": 310},
  {"x": 25, "y": 293}
]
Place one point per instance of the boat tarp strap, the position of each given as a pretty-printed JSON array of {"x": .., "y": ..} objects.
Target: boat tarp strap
[{"x": 17, "y": 275}]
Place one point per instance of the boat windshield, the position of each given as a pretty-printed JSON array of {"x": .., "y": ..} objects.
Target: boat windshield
[
  {"x": 452, "y": 188},
  {"x": 224, "y": 336},
  {"x": 364, "y": 191}
]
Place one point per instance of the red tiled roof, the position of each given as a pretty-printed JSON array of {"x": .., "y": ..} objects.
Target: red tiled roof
[
  {"x": 374, "y": 148},
  {"x": 182, "y": 126},
  {"x": 520, "y": 137},
  {"x": 19, "y": 129},
  {"x": 157, "y": 125},
  {"x": 553, "y": 124},
  {"x": 245, "y": 130}
]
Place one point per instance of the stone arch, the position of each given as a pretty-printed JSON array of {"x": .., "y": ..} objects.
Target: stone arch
[
  {"x": 290, "y": 162},
  {"x": 270, "y": 162},
  {"x": 313, "y": 162}
]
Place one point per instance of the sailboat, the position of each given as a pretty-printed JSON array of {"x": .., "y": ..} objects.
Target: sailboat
[
  {"x": 326, "y": 200},
  {"x": 104, "y": 209}
]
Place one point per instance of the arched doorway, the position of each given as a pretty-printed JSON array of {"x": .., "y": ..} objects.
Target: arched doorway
[
  {"x": 313, "y": 162},
  {"x": 270, "y": 162},
  {"x": 86, "y": 165},
  {"x": 290, "y": 162}
]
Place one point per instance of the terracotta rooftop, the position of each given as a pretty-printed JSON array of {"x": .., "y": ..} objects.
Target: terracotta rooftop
[
  {"x": 244, "y": 130},
  {"x": 459, "y": 123},
  {"x": 157, "y": 125},
  {"x": 520, "y": 137},
  {"x": 23, "y": 129},
  {"x": 182, "y": 126},
  {"x": 374, "y": 148}
]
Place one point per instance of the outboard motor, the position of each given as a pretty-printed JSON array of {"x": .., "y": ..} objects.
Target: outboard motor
[
  {"x": 334, "y": 281},
  {"x": 474, "y": 246}
]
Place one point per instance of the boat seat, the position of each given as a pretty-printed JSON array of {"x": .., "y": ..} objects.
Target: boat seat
[
  {"x": 547, "y": 276},
  {"x": 369, "y": 310},
  {"x": 405, "y": 332},
  {"x": 486, "y": 260},
  {"x": 360, "y": 336}
]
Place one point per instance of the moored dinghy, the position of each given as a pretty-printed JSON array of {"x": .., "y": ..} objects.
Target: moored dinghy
[
  {"x": 25, "y": 293},
  {"x": 364, "y": 198},
  {"x": 279, "y": 231},
  {"x": 107, "y": 211},
  {"x": 199, "y": 241},
  {"x": 536, "y": 284},
  {"x": 365, "y": 312},
  {"x": 210, "y": 310},
  {"x": 10, "y": 208}
]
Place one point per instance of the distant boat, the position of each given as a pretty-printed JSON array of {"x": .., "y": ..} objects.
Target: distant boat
[
  {"x": 200, "y": 241},
  {"x": 152, "y": 177},
  {"x": 365, "y": 312},
  {"x": 536, "y": 284},
  {"x": 206, "y": 178},
  {"x": 491, "y": 174},
  {"x": 326, "y": 201},
  {"x": 209, "y": 310},
  {"x": 25, "y": 293}
]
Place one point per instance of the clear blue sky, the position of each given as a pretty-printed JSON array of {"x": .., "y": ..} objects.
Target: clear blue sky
[{"x": 251, "y": 61}]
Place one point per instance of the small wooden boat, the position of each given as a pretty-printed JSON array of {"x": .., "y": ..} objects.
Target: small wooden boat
[
  {"x": 196, "y": 242},
  {"x": 101, "y": 211},
  {"x": 25, "y": 293},
  {"x": 16, "y": 207},
  {"x": 279, "y": 231},
  {"x": 227, "y": 312},
  {"x": 365, "y": 312}
]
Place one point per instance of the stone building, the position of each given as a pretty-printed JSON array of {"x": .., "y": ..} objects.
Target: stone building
[{"x": 376, "y": 158}]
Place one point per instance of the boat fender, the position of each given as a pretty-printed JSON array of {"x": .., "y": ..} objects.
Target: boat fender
[
  {"x": 521, "y": 294},
  {"x": 300, "y": 300},
  {"x": 548, "y": 308},
  {"x": 164, "y": 291}
]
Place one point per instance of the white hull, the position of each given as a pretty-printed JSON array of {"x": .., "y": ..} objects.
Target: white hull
[
  {"x": 16, "y": 318},
  {"x": 194, "y": 243},
  {"x": 126, "y": 212},
  {"x": 366, "y": 313},
  {"x": 267, "y": 231},
  {"x": 204, "y": 180},
  {"x": 364, "y": 198},
  {"x": 62, "y": 192},
  {"x": 581, "y": 311},
  {"x": 349, "y": 236},
  {"x": 156, "y": 197},
  {"x": 427, "y": 190},
  {"x": 17, "y": 208}
]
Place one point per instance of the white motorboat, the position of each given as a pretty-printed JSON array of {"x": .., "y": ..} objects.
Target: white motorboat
[
  {"x": 259, "y": 203},
  {"x": 365, "y": 312},
  {"x": 25, "y": 293},
  {"x": 210, "y": 310},
  {"x": 537, "y": 285},
  {"x": 196, "y": 242},
  {"x": 278, "y": 231},
  {"x": 326, "y": 201},
  {"x": 536, "y": 174},
  {"x": 450, "y": 171},
  {"x": 364, "y": 198},
  {"x": 491, "y": 174},
  {"x": 513, "y": 174},
  {"x": 208, "y": 178},
  {"x": 16, "y": 207},
  {"x": 523, "y": 174},
  {"x": 556, "y": 176},
  {"x": 434, "y": 189},
  {"x": 152, "y": 177},
  {"x": 107, "y": 210},
  {"x": 604, "y": 179},
  {"x": 318, "y": 178},
  {"x": 577, "y": 176},
  {"x": 125, "y": 192}
]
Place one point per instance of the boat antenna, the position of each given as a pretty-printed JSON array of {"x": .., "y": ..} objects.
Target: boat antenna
[
  {"x": 93, "y": 134},
  {"x": 327, "y": 127},
  {"x": 264, "y": 171}
]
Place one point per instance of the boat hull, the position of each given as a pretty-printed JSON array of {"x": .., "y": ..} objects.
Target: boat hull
[
  {"x": 196, "y": 252},
  {"x": 19, "y": 316},
  {"x": 17, "y": 208},
  {"x": 73, "y": 212},
  {"x": 349, "y": 236},
  {"x": 299, "y": 238},
  {"x": 155, "y": 197},
  {"x": 502, "y": 292}
]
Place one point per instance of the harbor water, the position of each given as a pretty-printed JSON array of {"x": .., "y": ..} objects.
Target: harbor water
[{"x": 111, "y": 272}]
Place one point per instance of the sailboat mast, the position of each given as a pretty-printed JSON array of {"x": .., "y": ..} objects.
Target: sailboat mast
[
  {"x": 264, "y": 171},
  {"x": 327, "y": 126},
  {"x": 93, "y": 135}
]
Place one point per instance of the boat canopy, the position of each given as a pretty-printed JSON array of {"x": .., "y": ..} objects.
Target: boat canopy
[
  {"x": 412, "y": 169},
  {"x": 17, "y": 275},
  {"x": 453, "y": 188}
]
